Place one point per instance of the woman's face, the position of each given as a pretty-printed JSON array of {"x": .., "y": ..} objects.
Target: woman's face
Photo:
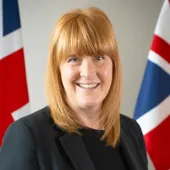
[{"x": 86, "y": 80}]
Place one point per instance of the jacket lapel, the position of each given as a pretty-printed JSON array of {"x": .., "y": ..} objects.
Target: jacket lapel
[
  {"x": 129, "y": 152},
  {"x": 76, "y": 151}
]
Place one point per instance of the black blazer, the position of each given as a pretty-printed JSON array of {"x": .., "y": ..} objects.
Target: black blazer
[{"x": 35, "y": 143}]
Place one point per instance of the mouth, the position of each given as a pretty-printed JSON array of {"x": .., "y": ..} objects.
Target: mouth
[{"x": 88, "y": 85}]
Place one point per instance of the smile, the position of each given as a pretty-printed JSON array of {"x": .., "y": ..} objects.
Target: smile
[{"x": 88, "y": 86}]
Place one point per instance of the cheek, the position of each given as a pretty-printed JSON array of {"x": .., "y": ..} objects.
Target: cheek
[
  {"x": 68, "y": 75},
  {"x": 107, "y": 73}
]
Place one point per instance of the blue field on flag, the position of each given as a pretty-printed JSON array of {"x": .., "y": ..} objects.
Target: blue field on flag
[
  {"x": 154, "y": 89},
  {"x": 11, "y": 20}
]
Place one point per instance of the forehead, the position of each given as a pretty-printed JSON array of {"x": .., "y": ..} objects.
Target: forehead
[{"x": 84, "y": 38}]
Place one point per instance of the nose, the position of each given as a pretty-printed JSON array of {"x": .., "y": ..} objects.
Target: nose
[{"x": 88, "y": 68}]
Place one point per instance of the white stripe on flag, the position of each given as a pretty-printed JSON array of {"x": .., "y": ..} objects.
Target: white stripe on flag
[
  {"x": 11, "y": 43},
  {"x": 163, "y": 23},
  {"x": 23, "y": 111},
  {"x": 158, "y": 60},
  {"x": 154, "y": 117}
]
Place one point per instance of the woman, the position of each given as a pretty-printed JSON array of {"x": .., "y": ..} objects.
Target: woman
[{"x": 81, "y": 128}]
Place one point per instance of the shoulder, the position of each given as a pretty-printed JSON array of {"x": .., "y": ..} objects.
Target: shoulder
[
  {"x": 125, "y": 119},
  {"x": 21, "y": 139},
  {"x": 25, "y": 124},
  {"x": 131, "y": 127},
  {"x": 29, "y": 127},
  {"x": 133, "y": 130},
  {"x": 128, "y": 123},
  {"x": 36, "y": 121},
  {"x": 38, "y": 117},
  {"x": 19, "y": 142}
]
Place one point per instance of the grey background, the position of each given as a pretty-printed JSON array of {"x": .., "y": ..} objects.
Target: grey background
[{"x": 134, "y": 22}]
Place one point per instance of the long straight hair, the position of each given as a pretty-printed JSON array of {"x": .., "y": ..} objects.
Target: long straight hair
[{"x": 84, "y": 32}]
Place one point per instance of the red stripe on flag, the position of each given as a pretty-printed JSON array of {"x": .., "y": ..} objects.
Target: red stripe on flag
[
  {"x": 161, "y": 47},
  {"x": 13, "y": 88},
  {"x": 158, "y": 145}
]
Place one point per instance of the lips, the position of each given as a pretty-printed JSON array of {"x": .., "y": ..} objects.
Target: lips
[{"x": 88, "y": 85}]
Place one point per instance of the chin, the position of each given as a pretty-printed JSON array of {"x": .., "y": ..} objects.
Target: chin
[{"x": 89, "y": 104}]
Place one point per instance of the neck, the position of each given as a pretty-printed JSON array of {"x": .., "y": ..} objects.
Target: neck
[{"x": 89, "y": 117}]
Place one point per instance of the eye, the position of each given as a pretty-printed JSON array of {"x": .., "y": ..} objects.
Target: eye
[
  {"x": 73, "y": 59},
  {"x": 100, "y": 57}
]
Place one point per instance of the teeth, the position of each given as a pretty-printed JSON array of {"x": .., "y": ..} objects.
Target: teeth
[{"x": 88, "y": 86}]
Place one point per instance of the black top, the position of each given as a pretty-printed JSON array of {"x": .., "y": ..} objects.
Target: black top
[
  {"x": 34, "y": 143},
  {"x": 104, "y": 157}
]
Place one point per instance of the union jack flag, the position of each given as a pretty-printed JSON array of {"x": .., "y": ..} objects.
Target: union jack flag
[
  {"x": 14, "y": 99},
  {"x": 152, "y": 110}
]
